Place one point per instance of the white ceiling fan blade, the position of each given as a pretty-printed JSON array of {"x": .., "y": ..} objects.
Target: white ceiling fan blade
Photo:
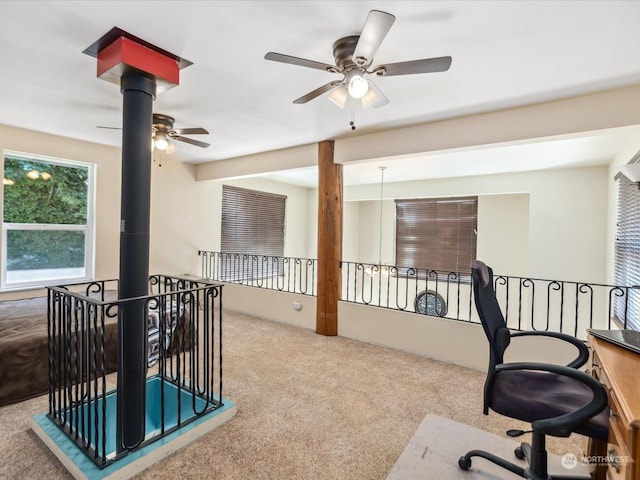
[
  {"x": 375, "y": 29},
  {"x": 374, "y": 97}
]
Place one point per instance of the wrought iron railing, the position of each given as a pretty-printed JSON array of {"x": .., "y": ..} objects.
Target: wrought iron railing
[
  {"x": 527, "y": 303},
  {"x": 285, "y": 274},
  {"x": 429, "y": 292},
  {"x": 184, "y": 361}
]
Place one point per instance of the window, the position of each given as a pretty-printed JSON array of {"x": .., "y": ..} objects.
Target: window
[
  {"x": 47, "y": 229},
  {"x": 437, "y": 233},
  {"x": 252, "y": 223},
  {"x": 627, "y": 252}
]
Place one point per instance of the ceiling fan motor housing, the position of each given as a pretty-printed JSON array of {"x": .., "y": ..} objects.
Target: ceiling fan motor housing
[
  {"x": 343, "y": 49},
  {"x": 162, "y": 123}
]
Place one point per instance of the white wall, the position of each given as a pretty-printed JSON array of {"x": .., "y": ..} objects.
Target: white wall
[
  {"x": 298, "y": 222},
  {"x": 567, "y": 215}
]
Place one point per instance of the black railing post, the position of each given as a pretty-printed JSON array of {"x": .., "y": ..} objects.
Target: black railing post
[{"x": 79, "y": 361}]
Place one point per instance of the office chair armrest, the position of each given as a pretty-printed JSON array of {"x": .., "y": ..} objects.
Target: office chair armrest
[
  {"x": 583, "y": 351},
  {"x": 563, "y": 425}
]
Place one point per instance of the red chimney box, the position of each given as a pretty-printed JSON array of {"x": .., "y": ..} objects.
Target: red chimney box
[{"x": 119, "y": 52}]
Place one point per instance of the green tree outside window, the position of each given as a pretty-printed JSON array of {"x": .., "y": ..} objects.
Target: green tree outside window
[
  {"x": 43, "y": 192},
  {"x": 38, "y": 192}
]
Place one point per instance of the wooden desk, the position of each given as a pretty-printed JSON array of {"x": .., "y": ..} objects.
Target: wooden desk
[{"x": 619, "y": 370}]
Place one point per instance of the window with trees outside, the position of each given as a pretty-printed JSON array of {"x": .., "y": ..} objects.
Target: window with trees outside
[
  {"x": 47, "y": 227},
  {"x": 437, "y": 233}
]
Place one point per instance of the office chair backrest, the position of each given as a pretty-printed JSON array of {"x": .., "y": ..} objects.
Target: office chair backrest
[{"x": 489, "y": 311}]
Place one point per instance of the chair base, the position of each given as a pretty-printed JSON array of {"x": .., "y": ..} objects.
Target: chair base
[{"x": 523, "y": 451}]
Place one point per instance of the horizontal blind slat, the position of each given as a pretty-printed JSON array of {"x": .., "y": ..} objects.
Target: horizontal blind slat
[
  {"x": 437, "y": 234},
  {"x": 627, "y": 253},
  {"x": 252, "y": 221}
]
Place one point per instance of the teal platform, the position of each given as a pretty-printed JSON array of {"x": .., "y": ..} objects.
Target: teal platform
[{"x": 81, "y": 467}]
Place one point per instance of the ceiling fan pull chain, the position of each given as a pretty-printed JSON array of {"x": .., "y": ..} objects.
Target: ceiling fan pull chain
[{"x": 353, "y": 117}]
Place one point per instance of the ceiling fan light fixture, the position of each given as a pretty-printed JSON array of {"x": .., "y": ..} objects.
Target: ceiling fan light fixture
[
  {"x": 370, "y": 98},
  {"x": 171, "y": 148},
  {"x": 160, "y": 141},
  {"x": 358, "y": 85},
  {"x": 339, "y": 96}
]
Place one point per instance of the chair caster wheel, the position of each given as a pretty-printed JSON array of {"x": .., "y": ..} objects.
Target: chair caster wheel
[
  {"x": 464, "y": 463},
  {"x": 519, "y": 453}
]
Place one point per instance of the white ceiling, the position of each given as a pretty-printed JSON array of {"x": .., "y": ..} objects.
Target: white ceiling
[{"x": 505, "y": 53}]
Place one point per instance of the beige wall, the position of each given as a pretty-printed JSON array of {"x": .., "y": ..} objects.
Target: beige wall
[
  {"x": 271, "y": 305},
  {"x": 450, "y": 341},
  {"x": 107, "y": 161},
  {"x": 584, "y": 113},
  {"x": 273, "y": 161},
  {"x": 174, "y": 214},
  {"x": 543, "y": 224},
  {"x": 351, "y": 230},
  {"x": 568, "y": 211},
  {"x": 563, "y": 225},
  {"x": 503, "y": 232},
  {"x": 298, "y": 222},
  {"x": 560, "y": 118},
  {"x": 569, "y": 243}
]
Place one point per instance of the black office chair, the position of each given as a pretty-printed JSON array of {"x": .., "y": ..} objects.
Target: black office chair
[{"x": 557, "y": 400}]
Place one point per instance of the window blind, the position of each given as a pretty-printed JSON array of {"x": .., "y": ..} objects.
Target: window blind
[
  {"x": 627, "y": 253},
  {"x": 437, "y": 234},
  {"x": 252, "y": 221}
]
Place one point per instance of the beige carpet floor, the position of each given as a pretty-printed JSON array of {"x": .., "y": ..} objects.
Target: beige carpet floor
[{"x": 309, "y": 407}]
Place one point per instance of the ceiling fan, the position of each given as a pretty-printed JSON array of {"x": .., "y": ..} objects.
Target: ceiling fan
[
  {"x": 353, "y": 59},
  {"x": 163, "y": 131}
]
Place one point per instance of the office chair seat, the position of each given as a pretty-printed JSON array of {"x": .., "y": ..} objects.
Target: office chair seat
[
  {"x": 533, "y": 395},
  {"x": 556, "y": 400}
]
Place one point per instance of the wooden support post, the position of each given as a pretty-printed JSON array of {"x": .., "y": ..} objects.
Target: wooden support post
[{"x": 329, "y": 240}]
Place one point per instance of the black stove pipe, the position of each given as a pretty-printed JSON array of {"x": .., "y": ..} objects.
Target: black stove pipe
[{"x": 138, "y": 93}]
